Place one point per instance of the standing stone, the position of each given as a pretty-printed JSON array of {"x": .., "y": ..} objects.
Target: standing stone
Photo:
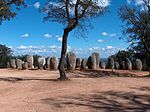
[
  {"x": 92, "y": 62},
  {"x": 54, "y": 63},
  {"x": 97, "y": 59},
  {"x": 111, "y": 63},
  {"x": 25, "y": 65},
  {"x": 30, "y": 61},
  {"x": 8, "y": 64},
  {"x": 103, "y": 65},
  {"x": 19, "y": 64},
  {"x": 78, "y": 62},
  {"x": 138, "y": 64},
  {"x": 41, "y": 62},
  {"x": 123, "y": 65},
  {"x": 83, "y": 64},
  {"x": 48, "y": 62},
  {"x": 128, "y": 64},
  {"x": 71, "y": 60},
  {"x": 117, "y": 66},
  {"x": 13, "y": 63}
]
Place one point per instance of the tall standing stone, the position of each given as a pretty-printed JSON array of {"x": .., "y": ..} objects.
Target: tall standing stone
[
  {"x": 8, "y": 64},
  {"x": 30, "y": 61},
  {"x": 71, "y": 60},
  {"x": 123, "y": 65},
  {"x": 128, "y": 64},
  {"x": 83, "y": 64},
  {"x": 13, "y": 63},
  {"x": 138, "y": 63},
  {"x": 54, "y": 63},
  {"x": 78, "y": 62},
  {"x": 97, "y": 59},
  {"x": 48, "y": 62},
  {"x": 19, "y": 64},
  {"x": 103, "y": 65},
  {"x": 111, "y": 63},
  {"x": 41, "y": 62}
]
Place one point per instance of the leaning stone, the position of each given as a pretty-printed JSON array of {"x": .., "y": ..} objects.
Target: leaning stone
[
  {"x": 117, "y": 66},
  {"x": 19, "y": 64},
  {"x": 84, "y": 64},
  {"x": 128, "y": 64},
  {"x": 71, "y": 60},
  {"x": 138, "y": 64},
  {"x": 92, "y": 62},
  {"x": 13, "y": 63},
  {"x": 30, "y": 61},
  {"x": 25, "y": 65},
  {"x": 54, "y": 63},
  {"x": 41, "y": 62},
  {"x": 78, "y": 62}
]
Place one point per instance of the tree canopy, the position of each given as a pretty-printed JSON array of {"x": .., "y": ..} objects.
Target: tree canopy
[
  {"x": 6, "y": 9},
  {"x": 137, "y": 25}
]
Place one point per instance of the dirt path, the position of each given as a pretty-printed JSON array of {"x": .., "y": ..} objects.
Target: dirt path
[{"x": 38, "y": 91}]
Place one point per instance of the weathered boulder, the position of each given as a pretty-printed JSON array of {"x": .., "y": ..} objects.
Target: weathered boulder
[
  {"x": 71, "y": 60},
  {"x": 30, "y": 61},
  {"x": 13, "y": 63},
  {"x": 138, "y": 63},
  {"x": 84, "y": 64},
  {"x": 25, "y": 66},
  {"x": 78, "y": 62},
  {"x": 48, "y": 62},
  {"x": 19, "y": 64},
  {"x": 103, "y": 65},
  {"x": 128, "y": 64},
  {"x": 111, "y": 63},
  {"x": 117, "y": 66},
  {"x": 54, "y": 63},
  {"x": 122, "y": 65},
  {"x": 41, "y": 62}
]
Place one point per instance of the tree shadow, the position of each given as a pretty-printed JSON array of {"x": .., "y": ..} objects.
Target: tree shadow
[
  {"x": 109, "y": 101},
  {"x": 101, "y": 73},
  {"x": 17, "y": 79}
]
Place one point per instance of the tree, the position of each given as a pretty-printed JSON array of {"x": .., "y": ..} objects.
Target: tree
[
  {"x": 5, "y": 54},
  {"x": 6, "y": 9},
  {"x": 72, "y": 14},
  {"x": 137, "y": 26}
]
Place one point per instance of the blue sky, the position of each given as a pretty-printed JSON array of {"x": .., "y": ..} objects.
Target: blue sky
[{"x": 28, "y": 34}]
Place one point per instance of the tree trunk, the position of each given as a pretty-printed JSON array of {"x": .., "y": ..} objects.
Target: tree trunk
[{"x": 63, "y": 55}]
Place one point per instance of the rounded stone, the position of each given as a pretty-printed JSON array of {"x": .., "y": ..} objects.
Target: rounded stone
[
  {"x": 117, "y": 66},
  {"x": 138, "y": 64},
  {"x": 54, "y": 63},
  {"x": 25, "y": 65},
  {"x": 128, "y": 64},
  {"x": 30, "y": 61},
  {"x": 71, "y": 60},
  {"x": 84, "y": 64},
  {"x": 41, "y": 62}
]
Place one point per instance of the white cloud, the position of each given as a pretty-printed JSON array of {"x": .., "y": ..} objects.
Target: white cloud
[
  {"x": 47, "y": 35},
  {"x": 100, "y": 40},
  {"x": 57, "y": 36},
  {"x": 59, "y": 39},
  {"x": 128, "y": 1},
  {"x": 25, "y": 35},
  {"x": 109, "y": 34},
  {"x": 104, "y": 3},
  {"x": 37, "y": 5},
  {"x": 104, "y": 34},
  {"x": 109, "y": 47}
]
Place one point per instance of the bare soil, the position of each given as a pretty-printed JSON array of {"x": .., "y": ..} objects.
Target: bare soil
[{"x": 90, "y": 91}]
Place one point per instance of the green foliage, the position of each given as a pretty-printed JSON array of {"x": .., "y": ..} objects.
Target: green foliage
[
  {"x": 6, "y": 9},
  {"x": 5, "y": 55}
]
